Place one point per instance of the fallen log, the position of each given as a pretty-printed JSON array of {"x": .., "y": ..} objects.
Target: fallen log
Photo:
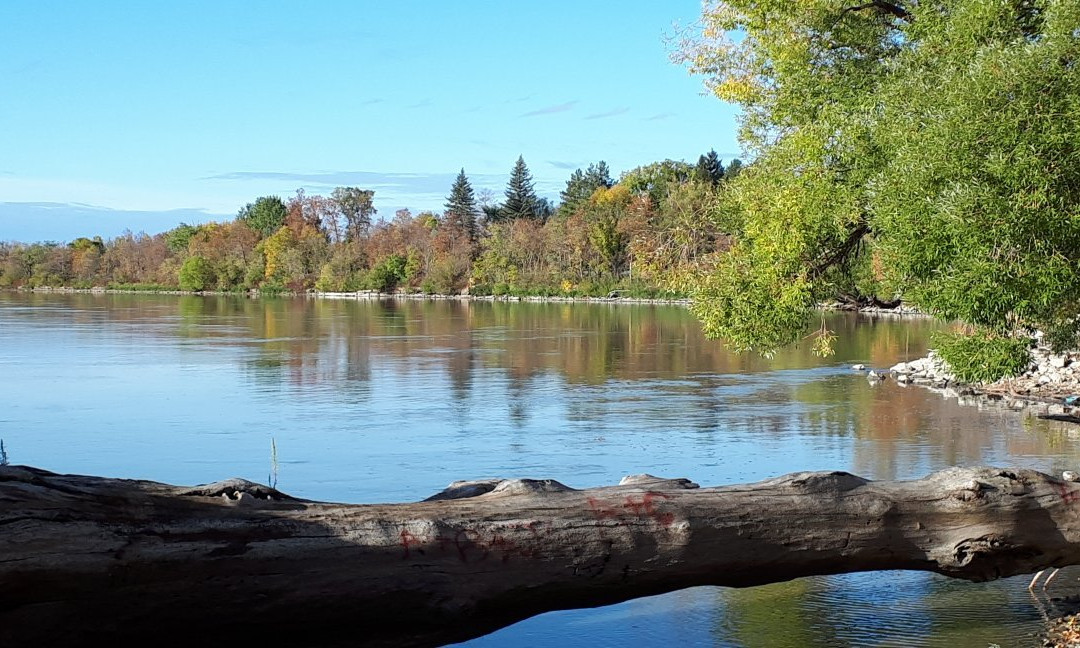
[{"x": 89, "y": 559}]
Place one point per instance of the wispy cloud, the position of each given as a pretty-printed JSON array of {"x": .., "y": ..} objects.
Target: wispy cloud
[
  {"x": 610, "y": 113},
  {"x": 391, "y": 183},
  {"x": 548, "y": 110},
  {"x": 562, "y": 165},
  {"x": 659, "y": 116},
  {"x": 370, "y": 102}
]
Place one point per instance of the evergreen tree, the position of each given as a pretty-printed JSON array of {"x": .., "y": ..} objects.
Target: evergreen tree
[
  {"x": 521, "y": 200},
  {"x": 492, "y": 213},
  {"x": 733, "y": 168},
  {"x": 709, "y": 169},
  {"x": 461, "y": 208},
  {"x": 583, "y": 184}
]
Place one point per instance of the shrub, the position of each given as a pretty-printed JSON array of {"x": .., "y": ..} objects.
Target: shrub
[
  {"x": 385, "y": 276},
  {"x": 196, "y": 274},
  {"x": 982, "y": 356}
]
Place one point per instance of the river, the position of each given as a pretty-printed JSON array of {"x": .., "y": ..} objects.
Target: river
[{"x": 369, "y": 401}]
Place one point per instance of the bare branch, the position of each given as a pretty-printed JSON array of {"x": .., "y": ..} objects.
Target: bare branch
[{"x": 840, "y": 254}]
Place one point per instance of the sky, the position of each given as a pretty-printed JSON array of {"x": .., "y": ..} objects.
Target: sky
[{"x": 142, "y": 115}]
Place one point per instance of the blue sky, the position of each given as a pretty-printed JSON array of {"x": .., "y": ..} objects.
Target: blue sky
[{"x": 140, "y": 115}]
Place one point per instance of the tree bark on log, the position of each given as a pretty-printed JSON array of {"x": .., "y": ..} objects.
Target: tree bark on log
[{"x": 89, "y": 559}]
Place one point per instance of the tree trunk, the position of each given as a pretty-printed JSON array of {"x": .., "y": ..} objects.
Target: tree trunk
[{"x": 85, "y": 559}]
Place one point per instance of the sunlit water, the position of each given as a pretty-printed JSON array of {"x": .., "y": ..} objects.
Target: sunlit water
[{"x": 388, "y": 402}]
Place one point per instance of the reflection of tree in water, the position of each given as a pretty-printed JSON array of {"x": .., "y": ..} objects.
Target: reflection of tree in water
[
  {"x": 639, "y": 359},
  {"x": 767, "y": 617},
  {"x": 870, "y": 609}
]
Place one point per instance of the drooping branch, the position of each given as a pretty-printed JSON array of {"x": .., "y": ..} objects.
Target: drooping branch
[{"x": 87, "y": 559}]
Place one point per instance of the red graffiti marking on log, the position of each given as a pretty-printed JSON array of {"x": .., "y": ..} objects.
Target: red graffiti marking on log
[
  {"x": 1067, "y": 494},
  {"x": 645, "y": 508},
  {"x": 472, "y": 545},
  {"x": 602, "y": 509},
  {"x": 407, "y": 540},
  {"x": 640, "y": 508}
]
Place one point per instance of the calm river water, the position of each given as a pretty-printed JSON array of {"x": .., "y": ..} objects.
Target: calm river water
[{"x": 390, "y": 401}]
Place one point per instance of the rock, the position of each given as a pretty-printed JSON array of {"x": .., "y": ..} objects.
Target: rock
[
  {"x": 1058, "y": 362},
  {"x": 902, "y": 378},
  {"x": 858, "y": 367},
  {"x": 900, "y": 368},
  {"x": 874, "y": 377}
]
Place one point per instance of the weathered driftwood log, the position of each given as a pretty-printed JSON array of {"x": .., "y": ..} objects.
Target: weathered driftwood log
[{"x": 84, "y": 559}]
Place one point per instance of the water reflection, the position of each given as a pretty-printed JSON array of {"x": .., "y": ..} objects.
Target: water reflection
[{"x": 389, "y": 401}]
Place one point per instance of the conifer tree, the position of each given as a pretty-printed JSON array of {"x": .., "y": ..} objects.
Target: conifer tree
[
  {"x": 582, "y": 185},
  {"x": 709, "y": 169},
  {"x": 521, "y": 200},
  {"x": 461, "y": 208}
]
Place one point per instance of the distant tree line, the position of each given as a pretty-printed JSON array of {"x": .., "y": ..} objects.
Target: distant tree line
[{"x": 641, "y": 234}]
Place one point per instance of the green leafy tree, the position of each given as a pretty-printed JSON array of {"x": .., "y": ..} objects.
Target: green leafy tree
[
  {"x": 461, "y": 208},
  {"x": 656, "y": 179},
  {"x": 266, "y": 215},
  {"x": 521, "y": 200},
  {"x": 937, "y": 138},
  {"x": 388, "y": 273},
  {"x": 357, "y": 207},
  {"x": 177, "y": 238},
  {"x": 83, "y": 244}
]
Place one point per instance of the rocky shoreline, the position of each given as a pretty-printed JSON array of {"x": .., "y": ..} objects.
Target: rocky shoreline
[
  {"x": 614, "y": 297},
  {"x": 1063, "y": 632},
  {"x": 1050, "y": 386}
]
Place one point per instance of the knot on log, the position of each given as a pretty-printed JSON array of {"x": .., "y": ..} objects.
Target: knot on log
[
  {"x": 235, "y": 489},
  {"x": 645, "y": 479},
  {"x": 986, "y": 558},
  {"x": 475, "y": 488},
  {"x": 972, "y": 490}
]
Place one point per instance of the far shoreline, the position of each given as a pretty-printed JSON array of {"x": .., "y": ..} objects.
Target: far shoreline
[{"x": 613, "y": 298}]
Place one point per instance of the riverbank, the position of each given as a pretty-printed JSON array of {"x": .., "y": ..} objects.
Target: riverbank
[
  {"x": 372, "y": 294},
  {"x": 614, "y": 297},
  {"x": 1048, "y": 387}
]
